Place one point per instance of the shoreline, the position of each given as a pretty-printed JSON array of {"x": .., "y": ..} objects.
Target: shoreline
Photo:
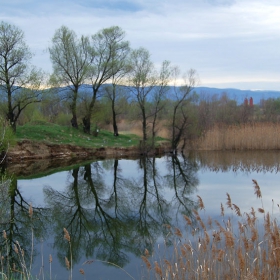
[
  {"x": 28, "y": 158},
  {"x": 26, "y": 150}
]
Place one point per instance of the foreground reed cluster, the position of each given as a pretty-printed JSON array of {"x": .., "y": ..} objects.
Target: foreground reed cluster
[{"x": 237, "y": 246}]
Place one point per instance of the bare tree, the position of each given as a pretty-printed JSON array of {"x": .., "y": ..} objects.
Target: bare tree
[
  {"x": 116, "y": 90},
  {"x": 159, "y": 95},
  {"x": 20, "y": 84},
  {"x": 107, "y": 51},
  {"x": 69, "y": 56},
  {"x": 179, "y": 114},
  {"x": 142, "y": 81}
]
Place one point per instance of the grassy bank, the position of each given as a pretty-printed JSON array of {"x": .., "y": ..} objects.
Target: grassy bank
[
  {"x": 249, "y": 136},
  {"x": 53, "y": 133}
]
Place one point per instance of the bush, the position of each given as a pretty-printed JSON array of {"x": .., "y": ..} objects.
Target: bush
[{"x": 7, "y": 138}]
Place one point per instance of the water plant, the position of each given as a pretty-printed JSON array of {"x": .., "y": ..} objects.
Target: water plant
[{"x": 235, "y": 246}]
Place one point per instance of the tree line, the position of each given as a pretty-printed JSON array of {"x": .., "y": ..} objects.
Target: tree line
[
  {"x": 96, "y": 60},
  {"x": 101, "y": 71}
]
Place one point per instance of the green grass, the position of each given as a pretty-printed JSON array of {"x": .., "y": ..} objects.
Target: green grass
[{"x": 52, "y": 133}]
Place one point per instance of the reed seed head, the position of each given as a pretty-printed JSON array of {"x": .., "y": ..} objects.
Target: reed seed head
[
  {"x": 147, "y": 253},
  {"x": 200, "y": 203},
  {"x": 188, "y": 220},
  {"x": 158, "y": 269},
  {"x": 16, "y": 248},
  {"x": 237, "y": 210},
  {"x": 30, "y": 211},
  {"x": 257, "y": 189},
  {"x": 178, "y": 232},
  {"x": 67, "y": 263},
  {"x": 221, "y": 254},
  {"x": 229, "y": 204},
  {"x": 147, "y": 263},
  {"x": 66, "y": 235},
  {"x": 241, "y": 259},
  {"x": 222, "y": 210}
]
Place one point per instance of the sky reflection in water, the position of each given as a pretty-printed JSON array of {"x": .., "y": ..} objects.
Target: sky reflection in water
[{"x": 122, "y": 211}]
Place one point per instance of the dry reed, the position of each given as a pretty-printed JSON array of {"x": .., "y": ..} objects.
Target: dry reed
[
  {"x": 241, "y": 247},
  {"x": 67, "y": 262},
  {"x": 249, "y": 136}
]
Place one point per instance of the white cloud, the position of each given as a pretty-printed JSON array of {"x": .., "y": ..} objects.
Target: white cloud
[{"x": 224, "y": 40}]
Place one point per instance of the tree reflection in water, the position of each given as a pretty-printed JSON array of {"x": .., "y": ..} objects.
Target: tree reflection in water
[
  {"x": 183, "y": 180},
  {"x": 108, "y": 218},
  {"x": 18, "y": 228}
]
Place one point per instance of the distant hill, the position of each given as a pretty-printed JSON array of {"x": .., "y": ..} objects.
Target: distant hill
[{"x": 238, "y": 94}]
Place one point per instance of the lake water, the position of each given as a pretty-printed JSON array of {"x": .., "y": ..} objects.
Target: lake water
[{"x": 114, "y": 209}]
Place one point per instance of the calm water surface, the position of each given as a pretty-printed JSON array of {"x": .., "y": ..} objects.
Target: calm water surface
[{"x": 115, "y": 209}]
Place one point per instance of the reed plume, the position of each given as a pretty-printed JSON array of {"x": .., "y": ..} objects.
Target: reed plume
[
  {"x": 30, "y": 210},
  {"x": 239, "y": 248},
  {"x": 222, "y": 210},
  {"x": 66, "y": 234},
  {"x": 67, "y": 237},
  {"x": 228, "y": 203},
  {"x": 67, "y": 263},
  {"x": 200, "y": 203},
  {"x": 257, "y": 189},
  {"x": 188, "y": 220},
  {"x": 147, "y": 263},
  {"x": 237, "y": 210}
]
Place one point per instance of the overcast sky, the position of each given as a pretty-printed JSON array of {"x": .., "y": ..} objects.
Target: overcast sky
[{"x": 231, "y": 43}]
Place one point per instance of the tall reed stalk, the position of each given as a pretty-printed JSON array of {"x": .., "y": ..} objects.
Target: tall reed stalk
[
  {"x": 235, "y": 246},
  {"x": 67, "y": 262}
]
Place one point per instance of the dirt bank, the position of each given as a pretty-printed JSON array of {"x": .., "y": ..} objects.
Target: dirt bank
[
  {"x": 28, "y": 150},
  {"x": 29, "y": 158}
]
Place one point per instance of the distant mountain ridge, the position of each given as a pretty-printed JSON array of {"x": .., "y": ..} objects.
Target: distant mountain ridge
[{"x": 238, "y": 94}]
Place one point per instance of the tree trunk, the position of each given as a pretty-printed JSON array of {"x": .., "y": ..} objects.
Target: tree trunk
[
  {"x": 86, "y": 123},
  {"x": 87, "y": 117},
  {"x": 11, "y": 119},
  {"x": 10, "y": 115},
  {"x": 116, "y": 132},
  {"x": 144, "y": 125},
  {"x": 173, "y": 142},
  {"x": 73, "y": 108},
  {"x": 74, "y": 122}
]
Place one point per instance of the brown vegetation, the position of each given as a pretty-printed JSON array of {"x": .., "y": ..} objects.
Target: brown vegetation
[
  {"x": 248, "y": 136},
  {"x": 135, "y": 127},
  {"x": 238, "y": 246}
]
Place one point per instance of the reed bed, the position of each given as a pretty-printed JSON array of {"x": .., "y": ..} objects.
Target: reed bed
[
  {"x": 236, "y": 246},
  {"x": 248, "y": 136},
  {"x": 265, "y": 161}
]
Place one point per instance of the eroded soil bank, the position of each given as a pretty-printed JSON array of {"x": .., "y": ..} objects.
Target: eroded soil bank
[
  {"x": 29, "y": 158},
  {"x": 28, "y": 150}
]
